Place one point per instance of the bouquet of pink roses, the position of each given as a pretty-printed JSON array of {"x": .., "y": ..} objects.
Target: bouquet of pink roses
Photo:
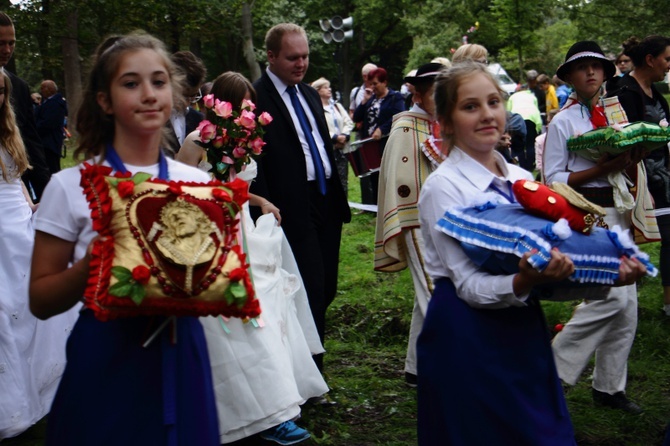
[{"x": 234, "y": 138}]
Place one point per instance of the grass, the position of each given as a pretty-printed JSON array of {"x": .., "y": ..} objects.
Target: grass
[{"x": 366, "y": 342}]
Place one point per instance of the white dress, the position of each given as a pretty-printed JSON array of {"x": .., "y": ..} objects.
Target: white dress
[
  {"x": 32, "y": 352},
  {"x": 263, "y": 371}
]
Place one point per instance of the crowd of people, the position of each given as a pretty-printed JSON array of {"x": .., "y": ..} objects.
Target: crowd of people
[{"x": 478, "y": 352}]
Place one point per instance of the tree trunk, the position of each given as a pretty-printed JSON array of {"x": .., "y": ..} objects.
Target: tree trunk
[
  {"x": 248, "y": 42},
  {"x": 71, "y": 66}
]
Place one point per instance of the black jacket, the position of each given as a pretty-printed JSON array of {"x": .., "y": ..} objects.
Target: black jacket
[
  {"x": 50, "y": 118},
  {"x": 39, "y": 175},
  {"x": 631, "y": 98},
  {"x": 282, "y": 177}
]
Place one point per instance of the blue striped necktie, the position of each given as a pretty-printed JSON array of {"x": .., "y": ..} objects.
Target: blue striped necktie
[{"x": 307, "y": 130}]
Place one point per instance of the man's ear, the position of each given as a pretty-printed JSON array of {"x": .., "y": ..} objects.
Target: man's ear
[
  {"x": 271, "y": 57},
  {"x": 104, "y": 102}
]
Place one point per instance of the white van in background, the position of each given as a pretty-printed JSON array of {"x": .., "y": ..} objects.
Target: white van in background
[{"x": 505, "y": 81}]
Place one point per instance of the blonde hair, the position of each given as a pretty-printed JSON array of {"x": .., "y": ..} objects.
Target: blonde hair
[
  {"x": 10, "y": 136},
  {"x": 447, "y": 84},
  {"x": 320, "y": 83},
  {"x": 469, "y": 51},
  {"x": 94, "y": 126},
  {"x": 443, "y": 60},
  {"x": 274, "y": 37}
]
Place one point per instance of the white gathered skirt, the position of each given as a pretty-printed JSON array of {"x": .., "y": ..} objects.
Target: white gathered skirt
[
  {"x": 32, "y": 352},
  {"x": 262, "y": 374}
]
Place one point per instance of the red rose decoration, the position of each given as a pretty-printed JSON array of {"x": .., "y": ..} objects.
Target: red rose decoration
[
  {"x": 125, "y": 174},
  {"x": 237, "y": 274},
  {"x": 141, "y": 274},
  {"x": 125, "y": 188},
  {"x": 221, "y": 195},
  {"x": 175, "y": 189},
  {"x": 240, "y": 190}
]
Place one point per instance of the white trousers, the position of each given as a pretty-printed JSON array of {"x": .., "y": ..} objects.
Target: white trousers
[
  {"x": 423, "y": 288},
  {"x": 606, "y": 328}
]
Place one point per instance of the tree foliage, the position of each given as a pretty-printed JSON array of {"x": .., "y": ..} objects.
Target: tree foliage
[{"x": 399, "y": 35}]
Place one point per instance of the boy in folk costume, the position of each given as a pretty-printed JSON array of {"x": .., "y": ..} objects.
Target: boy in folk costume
[{"x": 412, "y": 152}]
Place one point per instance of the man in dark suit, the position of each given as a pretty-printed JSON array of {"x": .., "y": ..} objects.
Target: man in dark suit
[
  {"x": 303, "y": 185},
  {"x": 50, "y": 119},
  {"x": 184, "y": 120},
  {"x": 39, "y": 175}
]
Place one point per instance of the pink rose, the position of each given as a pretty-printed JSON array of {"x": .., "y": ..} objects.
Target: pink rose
[
  {"x": 223, "y": 109},
  {"x": 208, "y": 101},
  {"x": 256, "y": 145},
  {"x": 125, "y": 188},
  {"x": 207, "y": 131},
  {"x": 218, "y": 142},
  {"x": 265, "y": 118},
  {"x": 141, "y": 274},
  {"x": 248, "y": 105},
  {"x": 239, "y": 152},
  {"x": 246, "y": 119}
]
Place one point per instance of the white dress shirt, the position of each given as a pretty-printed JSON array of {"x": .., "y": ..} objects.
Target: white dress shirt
[{"x": 283, "y": 93}]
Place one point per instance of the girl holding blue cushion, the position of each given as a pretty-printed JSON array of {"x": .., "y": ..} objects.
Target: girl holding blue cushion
[{"x": 486, "y": 373}]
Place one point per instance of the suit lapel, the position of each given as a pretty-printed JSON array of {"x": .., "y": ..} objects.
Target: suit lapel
[{"x": 278, "y": 102}]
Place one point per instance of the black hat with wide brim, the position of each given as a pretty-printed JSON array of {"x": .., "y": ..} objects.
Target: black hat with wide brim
[
  {"x": 585, "y": 49},
  {"x": 425, "y": 73}
]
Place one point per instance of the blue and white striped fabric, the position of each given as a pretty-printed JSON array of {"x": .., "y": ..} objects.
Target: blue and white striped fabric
[{"x": 495, "y": 237}]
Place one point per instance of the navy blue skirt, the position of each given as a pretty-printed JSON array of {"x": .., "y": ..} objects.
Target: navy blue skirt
[
  {"x": 487, "y": 377},
  {"x": 116, "y": 392}
]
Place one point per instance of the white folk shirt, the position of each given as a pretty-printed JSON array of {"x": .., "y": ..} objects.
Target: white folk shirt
[{"x": 557, "y": 162}]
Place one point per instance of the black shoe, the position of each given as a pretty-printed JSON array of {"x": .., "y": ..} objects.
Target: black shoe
[
  {"x": 323, "y": 401},
  {"x": 410, "y": 380},
  {"x": 616, "y": 401}
]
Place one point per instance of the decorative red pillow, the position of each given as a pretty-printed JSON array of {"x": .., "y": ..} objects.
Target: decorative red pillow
[
  {"x": 166, "y": 247},
  {"x": 542, "y": 201}
]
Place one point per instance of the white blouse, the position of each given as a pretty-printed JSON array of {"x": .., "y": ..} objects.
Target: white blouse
[{"x": 462, "y": 181}]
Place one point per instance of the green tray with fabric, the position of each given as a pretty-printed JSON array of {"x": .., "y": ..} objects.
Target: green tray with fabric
[{"x": 618, "y": 139}]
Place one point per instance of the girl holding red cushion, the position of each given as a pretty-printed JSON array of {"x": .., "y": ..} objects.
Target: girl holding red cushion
[{"x": 115, "y": 390}]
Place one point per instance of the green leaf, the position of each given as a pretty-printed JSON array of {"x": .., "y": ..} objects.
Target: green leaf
[
  {"x": 140, "y": 177},
  {"x": 122, "y": 274},
  {"x": 121, "y": 289},
  {"x": 113, "y": 181},
  {"x": 230, "y": 299},
  {"x": 238, "y": 291},
  {"x": 137, "y": 293}
]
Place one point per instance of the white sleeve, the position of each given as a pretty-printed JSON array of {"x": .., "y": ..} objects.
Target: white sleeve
[
  {"x": 478, "y": 288},
  {"x": 555, "y": 157},
  {"x": 55, "y": 214}
]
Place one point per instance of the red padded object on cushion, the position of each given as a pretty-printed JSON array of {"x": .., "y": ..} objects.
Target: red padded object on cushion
[{"x": 542, "y": 201}]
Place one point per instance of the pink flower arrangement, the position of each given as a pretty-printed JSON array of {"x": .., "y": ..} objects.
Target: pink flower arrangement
[{"x": 234, "y": 138}]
